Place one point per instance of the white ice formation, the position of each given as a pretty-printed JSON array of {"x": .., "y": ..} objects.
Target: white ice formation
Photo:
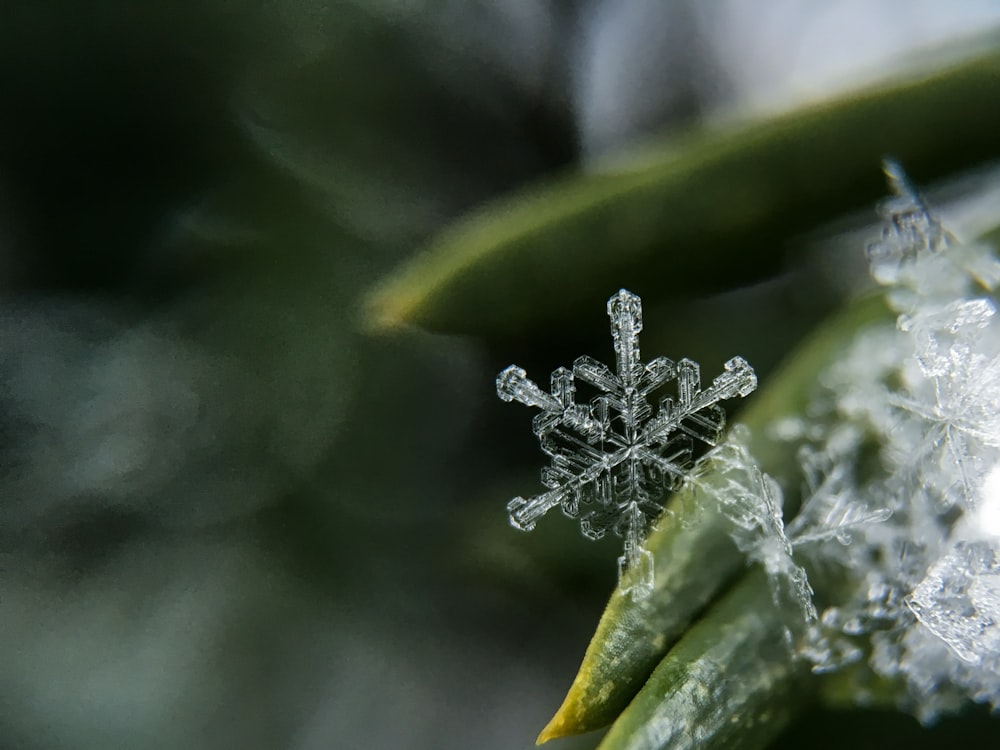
[
  {"x": 614, "y": 458},
  {"x": 905, "y": 431},
  {"x": 751, "y": 502}
]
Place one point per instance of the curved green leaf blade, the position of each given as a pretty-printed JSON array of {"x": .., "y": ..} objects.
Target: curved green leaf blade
[
  {"x": 730, "y": 682},
  {"x": 710, "y": 208}
]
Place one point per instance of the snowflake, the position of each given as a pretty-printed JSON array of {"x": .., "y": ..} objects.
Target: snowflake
[
  {"x": 612, "y": 460},
  {"x": 954, "y": 395},
  {"x": 959, "y": 601}
]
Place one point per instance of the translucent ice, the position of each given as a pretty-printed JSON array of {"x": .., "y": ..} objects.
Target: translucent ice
[
  {"x": 959, "y": 601},
  {"x": 920, "y": 591},
  {"x": 911, "y": 233},
  {"x": 614, "y": 458},
  {"x": 916, "y": 258},
  {"x": 752, "y": 502},
  {"x": 830, "y": 508}
]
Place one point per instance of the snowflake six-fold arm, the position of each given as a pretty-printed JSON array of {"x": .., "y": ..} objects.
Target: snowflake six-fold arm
[{"x": 613, "y": 460}]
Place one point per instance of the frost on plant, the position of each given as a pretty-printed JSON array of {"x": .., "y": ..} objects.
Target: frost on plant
[
  {"x": 920, "y": 588},
  {"x": 614, "y": 458},
  {"x": 830, "y": 510},
  {"x": 751, "y": 501},
  {"x": 917, "y": 260},
  {"x": 959, "y": 601}
]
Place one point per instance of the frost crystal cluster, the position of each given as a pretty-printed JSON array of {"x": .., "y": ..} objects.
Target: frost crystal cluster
[
  {"x": 614, "y": 458},
  {"x": 751, "y": 501},
  {"x": 917, "y": 563}
]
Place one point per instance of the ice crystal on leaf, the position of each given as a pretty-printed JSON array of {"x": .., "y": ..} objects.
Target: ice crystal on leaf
[
  {"x": 955, "y": 395},
  {"x": 614, "y": 458},
  {"x": 917, "y": 260},
  {"x": 830, "y": 510},
  {"x": 912, "y": 240},
  {"x": 751, "y": 501},
  {"x": 959, "y": 601},
  {"x": 920, "y": 590}
]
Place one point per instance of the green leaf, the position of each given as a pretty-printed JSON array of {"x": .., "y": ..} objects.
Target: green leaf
[
  {"x": 693, "y": 555},
  {"x": 731, "y": 682},
  {"x": 353, "y": 105},
  {"x": 711, "y": 208}
]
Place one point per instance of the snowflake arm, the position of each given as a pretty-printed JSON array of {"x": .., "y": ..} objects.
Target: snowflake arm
[
  {"x": 613, "y": 459},
  {"x": 696, "y": 412}
]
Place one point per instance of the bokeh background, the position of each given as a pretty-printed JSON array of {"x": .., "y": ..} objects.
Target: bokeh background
[{"x": 231, "y": 516}]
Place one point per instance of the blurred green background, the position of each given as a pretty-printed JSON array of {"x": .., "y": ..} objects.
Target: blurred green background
[{"x": 240, "y": 509}]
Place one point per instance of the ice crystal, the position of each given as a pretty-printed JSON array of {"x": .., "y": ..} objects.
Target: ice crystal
[
  {"x": 751, "y": 501},
  {"x": 830, "y": 508},
  {"x": 919, "y": 262},
  {"x": 959, "y": 601},
  {"x": 912, "y": 240},
  {"x": 613, "y": 459},
  {"x": 920, "y": 589},
  {"x": 955, "y": 396}
]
